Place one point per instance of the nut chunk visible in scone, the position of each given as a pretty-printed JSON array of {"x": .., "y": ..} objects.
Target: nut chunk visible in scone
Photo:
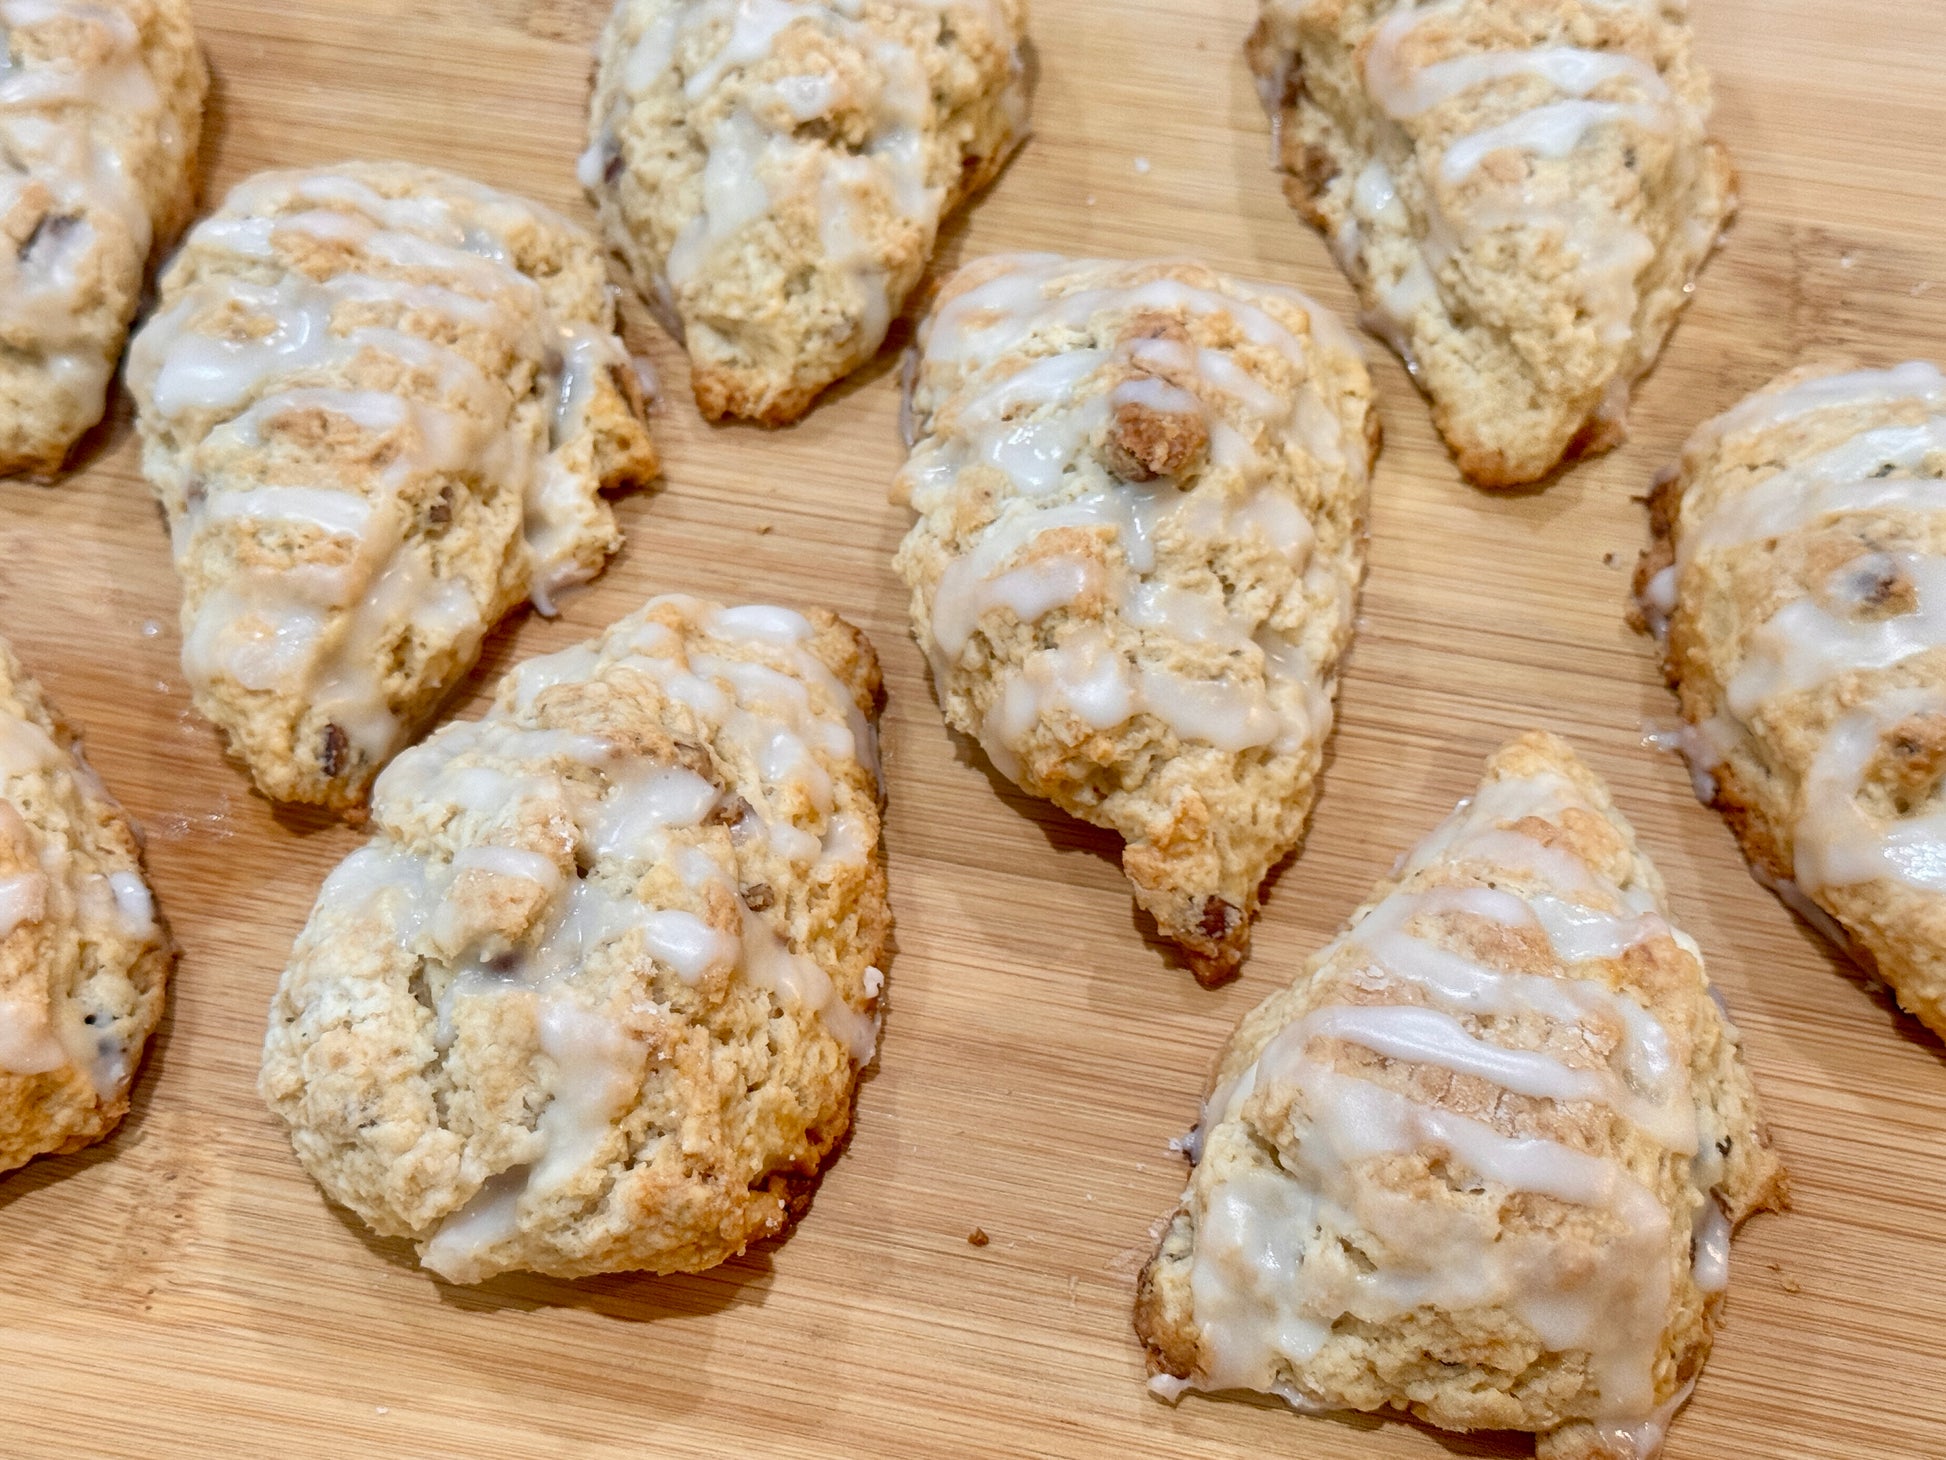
[
  {"x": 378, "y": 404},
  {"x": 84, "y": 959},
  {"x": 1522, "y": 192},
  {"x": 774, "y": 174},
  {"x": 597, "y": 994},
  {"x": 1799, "y": 577},
  {"x": 1141, "y": 491},
  {"x": 1481, "y": 1162},
  {"x": 101, "y": 109}
]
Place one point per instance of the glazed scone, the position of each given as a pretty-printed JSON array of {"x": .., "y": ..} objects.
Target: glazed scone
[
  {"x": 597, "y": 993},
  {"x": 774, "y": 174},
  {"x": 1522, "y": 191},
  {"x": 1798, "y": 576},
  {"x": 378, "y": 404},
  {"x": 84, "y": 960},
  {"x": 101, "y": 112},
  {"x": 1480, "y": 1163},
  {"x": 1141, "y": 492}
]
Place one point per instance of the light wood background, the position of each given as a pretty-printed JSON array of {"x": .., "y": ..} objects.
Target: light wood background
[{"x": 184, "y": 1290}]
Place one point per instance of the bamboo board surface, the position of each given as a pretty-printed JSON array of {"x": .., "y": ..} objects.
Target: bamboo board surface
[{"x": 183, "y": 1289}]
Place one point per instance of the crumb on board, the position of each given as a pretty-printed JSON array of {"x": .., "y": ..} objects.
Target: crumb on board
[
  {"x": 1608, "y": 559},
  {"x": 977, "y": 1237}
]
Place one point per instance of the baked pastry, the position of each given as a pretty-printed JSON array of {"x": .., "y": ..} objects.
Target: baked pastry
[
  {"x": 1481, "y": 1162},
  {"x": 596, "y": 994},
  {"x": 1522, "y": 192},
  {"x": 84, "y": 959},
  {"x": 378, "y": 403},
  {"x": 1798, "y": 576},
  {"x": 99, "y": 129},
  {"x": 1141, "y": 494},
  {"x": 774, "y": 175}
]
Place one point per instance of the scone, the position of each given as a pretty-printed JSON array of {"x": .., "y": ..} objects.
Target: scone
[
  {"x": 1141, "y": 491},
  {"x": 597, "y": 993},
  {"x": 378, "y": 404},
  {"x": 1798, "y": 576},
  {"x": 84, "y": 959},
  {"x": 774, "y": 174},
  {"x": 1522, "y": 191},
  {"x": 1481, "y": 1162},
  {"x": 100, "y": 119}
]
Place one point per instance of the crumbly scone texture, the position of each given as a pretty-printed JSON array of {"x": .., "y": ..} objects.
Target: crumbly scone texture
[
  {"x": 97, "y": 175},
  {"x": 1795, "y": 578},
  {"x": 1351, "y": 1175},
  {"x": 84, "y": 959},
  {"x": 1141, "y": 491},
  {"x": 378, "y": 404},
  {"x": 596, "y": 995},
  {"x": 775, "y": 177},
  {"x": 1522, "y": 191}
]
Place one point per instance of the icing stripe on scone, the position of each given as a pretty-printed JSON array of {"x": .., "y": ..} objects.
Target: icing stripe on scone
[
  {"x": 1489, "y": 1101},
  {"x": 1800, "y": 584},
  {"x": 653, "y": 838},
  {"x": 347, "y": 373},
  {"x": 1139, "y": 488}
]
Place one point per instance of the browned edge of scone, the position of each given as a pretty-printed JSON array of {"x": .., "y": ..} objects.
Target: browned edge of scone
[
  {"x": 1762, "y": 847},
  {"x": 1216, "y": 944},
  {"x": 847, "y": 651}
]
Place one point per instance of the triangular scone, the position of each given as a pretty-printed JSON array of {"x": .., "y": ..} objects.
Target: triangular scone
[
  {"x": 378, "y": 403},
  {"x": 1141, "y": 493},
  {"x": 597, "y": 993},
  {"x": 1799, "y": 575},
  {"x": 1522, "y": 192},
  {"x": 99, "y": 125},
  {"x": 774, "y": 173},
  {"x": 84, "y": 959},
  {"x": 1481, "y": 1162}
]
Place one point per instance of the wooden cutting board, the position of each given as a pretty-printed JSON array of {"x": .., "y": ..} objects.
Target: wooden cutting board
[{"x": 183, "y": 1289}]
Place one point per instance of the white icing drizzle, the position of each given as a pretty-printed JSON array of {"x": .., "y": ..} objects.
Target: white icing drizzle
[
  {"x": 630, "y": 817},
  {"x": 1555, "y": 115},
  {"x": 1269, "y": 1279},
  {"x": 23, "y": 901},
  {"x": 1032, "y": 425},
  {"x": 325, "y": 632},
  {"x": 759, "y": 157},
  {"x": 65, "y": 130},
  {"x": 1838, "y": 627}
]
